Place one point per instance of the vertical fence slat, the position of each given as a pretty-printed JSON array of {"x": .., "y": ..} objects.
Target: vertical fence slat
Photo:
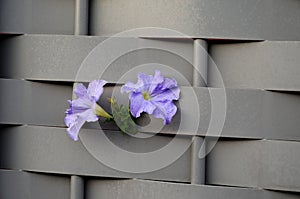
[
  {"x": 81, "y": 17},
  {"x": 77, "y": 187},
  {"x": 199, "y": 80}
]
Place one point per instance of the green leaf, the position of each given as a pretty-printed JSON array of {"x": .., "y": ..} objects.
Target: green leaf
[{"x": 123, "y": 118}]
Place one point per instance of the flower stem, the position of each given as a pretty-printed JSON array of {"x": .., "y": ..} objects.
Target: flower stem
[{"x": 99, "y": 111}]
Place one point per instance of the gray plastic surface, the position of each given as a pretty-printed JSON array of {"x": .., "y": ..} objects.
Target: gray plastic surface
[
  {"x": 235, "y": 19},
  {"x": 19, "y": 184},
  {"x": 262, "y": 65},
  {"x": 49, "y": 149},
  {"x": 37, "y": 16},
  {"x": 59, "y": 58},
  {"x": 127, "y": 189},
  {"x": 77, "y": 187},
  {"x": 262, "y": 163},
  {"x": 25, "y": 102},
  {"x": 81, "y": 17}
]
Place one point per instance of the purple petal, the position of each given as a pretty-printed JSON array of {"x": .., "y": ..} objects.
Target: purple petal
[
  {"x": 131, "y": 87},
  {"x": 138, "y": 105},
  {"x": 76, "y": 121},
  {"x": 88, "y": 115},
  {"x": 81, "y": 104},
  {"x": 166, "y": 85},
  {"x": 167, "y": 95},
  {"x": 83, "y": 108},
  {"x": 145, "y": 83},
  {"x": 165, "y": 110},
  {"x": 155, "y": 81},
  {"x": 169, "y": 83},
  {"x": 150, "y": 82},
  {"x": 146, "y": 80},
  {"x": 80, "y": 91},
  {"x": 74, "y": 128},
  {"x": 70, "y": 119},
  {"x": 95, "y": 89}
]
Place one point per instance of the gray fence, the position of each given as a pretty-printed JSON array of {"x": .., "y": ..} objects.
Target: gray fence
[{"x": 251, "y": 72}]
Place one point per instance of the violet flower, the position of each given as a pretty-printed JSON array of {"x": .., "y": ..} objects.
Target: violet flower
[
  {"x": 84, "y": 108},
  {"x": 153, "y": 95}
]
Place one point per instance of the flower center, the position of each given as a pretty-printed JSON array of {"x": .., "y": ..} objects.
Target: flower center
[{"x": 146, "y": 95}]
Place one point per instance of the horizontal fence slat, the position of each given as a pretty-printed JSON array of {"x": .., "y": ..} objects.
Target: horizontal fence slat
[
  {"x": 37, "y": 16},
  {"x": 24, "y": 102},
  {"x": 26, "y": 185},
  {"x": 262, "y": 65},
  {"x": 146, "y": 189},
  {"x": 238, "y": 19},
  {"x": 255, "y": 114},
  {"x": 265, "y": 163},
  {"x": 82, "y": 58},
  {"x": 269, "y": 65},
  {"x": 49, "y": 149}
]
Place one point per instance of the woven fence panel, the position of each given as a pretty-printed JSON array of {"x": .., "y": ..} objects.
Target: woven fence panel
[{"x": 247, "y": 54}]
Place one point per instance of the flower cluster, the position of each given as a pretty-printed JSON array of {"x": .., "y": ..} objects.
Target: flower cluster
[{"x": 151, "y": 94}]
